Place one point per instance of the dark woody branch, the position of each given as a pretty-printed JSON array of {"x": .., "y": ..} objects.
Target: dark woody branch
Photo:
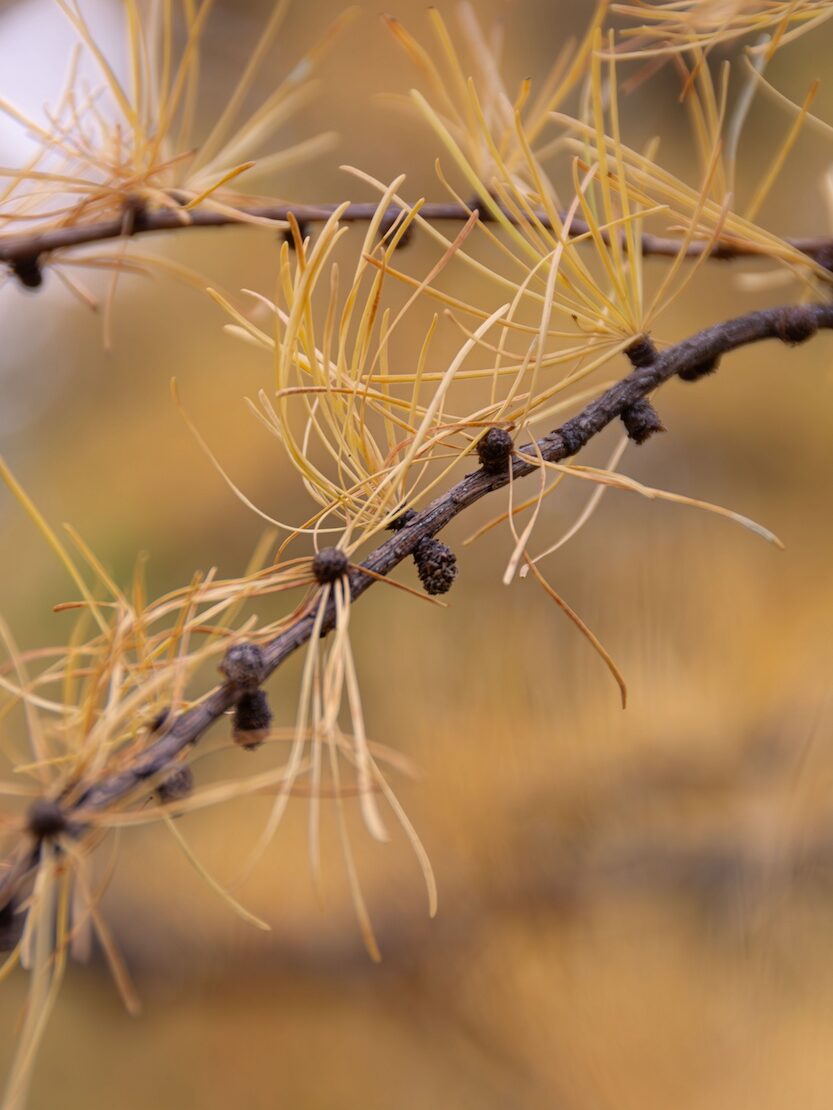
[{"x": 687, "y": 360}]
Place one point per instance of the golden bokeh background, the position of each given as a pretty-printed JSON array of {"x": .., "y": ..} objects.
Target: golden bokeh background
[{"x": 636, "y": 909}]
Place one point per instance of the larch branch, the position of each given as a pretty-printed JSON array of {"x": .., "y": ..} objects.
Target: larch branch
[{"x": 791, "y": 324}]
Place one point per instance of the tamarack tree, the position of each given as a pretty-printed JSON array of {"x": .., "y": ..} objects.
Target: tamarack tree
[{"x": 546, "y": 204}]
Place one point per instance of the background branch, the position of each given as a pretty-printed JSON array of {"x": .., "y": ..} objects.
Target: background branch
[
  {"x": 25, "y": 250},
  {"x": 791, "y": 324}
]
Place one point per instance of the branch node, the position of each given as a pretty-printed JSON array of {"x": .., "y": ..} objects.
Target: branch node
[
  {"x": 494, "y": 450},
  {"x": 436, "y": 565},
  {"x": 796, "y": 324},
  {"x": 243, "y": 664},
  {"x": 329, "y": 564},
  {"x": 641, "y": 421},
  {"x": 252, "y": 718}
]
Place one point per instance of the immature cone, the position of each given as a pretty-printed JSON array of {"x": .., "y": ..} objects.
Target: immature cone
[
  {"x": 436, "y": 565},
  {"x": 494, "y": 449},
  {"x": 243, "y": 664},
  {"x": 252, "y": 718},
  {"x": 329, "y": 564}
]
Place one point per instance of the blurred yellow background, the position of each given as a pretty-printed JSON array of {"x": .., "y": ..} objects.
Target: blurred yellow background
[{"x": 636, "y": 909}]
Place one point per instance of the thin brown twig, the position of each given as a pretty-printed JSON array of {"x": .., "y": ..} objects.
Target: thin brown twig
[{"x": 23, "y": 250}]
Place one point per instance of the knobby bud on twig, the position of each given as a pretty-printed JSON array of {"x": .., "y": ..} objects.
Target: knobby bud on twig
[{"x": 329, "y": 564}]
